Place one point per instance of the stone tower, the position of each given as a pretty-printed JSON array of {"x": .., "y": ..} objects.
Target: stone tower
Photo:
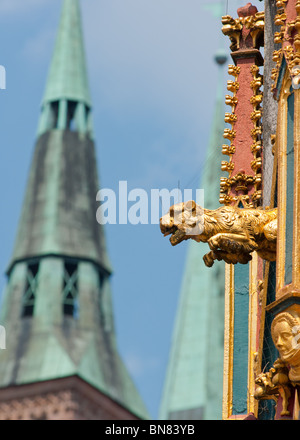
[
  {"x": 61, "y": 359},
  {"x": 194, "y": 379}
]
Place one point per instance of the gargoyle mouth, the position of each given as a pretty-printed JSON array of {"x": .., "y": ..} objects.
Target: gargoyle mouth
[
  {"x": 167, "y": 231},
  {"x": 177, "y": 236}
]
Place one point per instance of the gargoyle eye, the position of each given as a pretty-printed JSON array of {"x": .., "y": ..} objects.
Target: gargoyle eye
[{"x": 191, "y": 205}]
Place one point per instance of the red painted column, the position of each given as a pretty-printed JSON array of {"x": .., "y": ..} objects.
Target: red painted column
[
  {"x": 242, "y": 188},
  {"x": 244, "y": 165}
]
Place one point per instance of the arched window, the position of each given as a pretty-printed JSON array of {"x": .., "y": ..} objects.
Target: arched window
[
  {"x": 70, "y": 290},
  {"x": 30, "y": 289}
]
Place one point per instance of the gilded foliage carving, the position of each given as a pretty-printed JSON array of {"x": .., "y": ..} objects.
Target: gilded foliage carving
[
  {"x": 289, "y": 38},
  {"x": 274, "y": 383}
]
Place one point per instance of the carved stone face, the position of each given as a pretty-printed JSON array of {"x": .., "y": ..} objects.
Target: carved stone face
[
  {"x": 283, "y": 340},
  {"x": 285, "y": 334},
  {"x": 296, "y": 77}
]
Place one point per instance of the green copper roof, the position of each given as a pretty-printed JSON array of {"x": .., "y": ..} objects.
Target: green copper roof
[
  {"x": 59, "y": 210},
  {"x": 60, "y": 254},
  {"x": 68, "y": 77},
  {"x": 193, "y": 385}
]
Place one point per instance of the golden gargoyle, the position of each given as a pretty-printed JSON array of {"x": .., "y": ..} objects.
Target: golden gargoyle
[{"x": 231, "y": 233}]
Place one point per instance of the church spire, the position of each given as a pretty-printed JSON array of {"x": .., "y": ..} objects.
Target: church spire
[
  {"x": 193, "y": 384},
  {"x": 60, "y": 207},
  {"x": 62, "y": 360},
  {"x": 67, "y": 100}
]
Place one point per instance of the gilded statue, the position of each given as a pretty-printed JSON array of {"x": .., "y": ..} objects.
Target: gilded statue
[{"x": 231, "y": 233}]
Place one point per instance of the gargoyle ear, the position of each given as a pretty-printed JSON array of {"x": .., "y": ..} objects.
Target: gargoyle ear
[{"x": 190, "y": 205}]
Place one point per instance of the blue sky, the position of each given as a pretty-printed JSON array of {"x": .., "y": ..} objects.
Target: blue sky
[{"x": 152, "y": 78}]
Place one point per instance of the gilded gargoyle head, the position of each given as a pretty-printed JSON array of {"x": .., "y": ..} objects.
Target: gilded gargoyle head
[{"x": 183, "y": 221}]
